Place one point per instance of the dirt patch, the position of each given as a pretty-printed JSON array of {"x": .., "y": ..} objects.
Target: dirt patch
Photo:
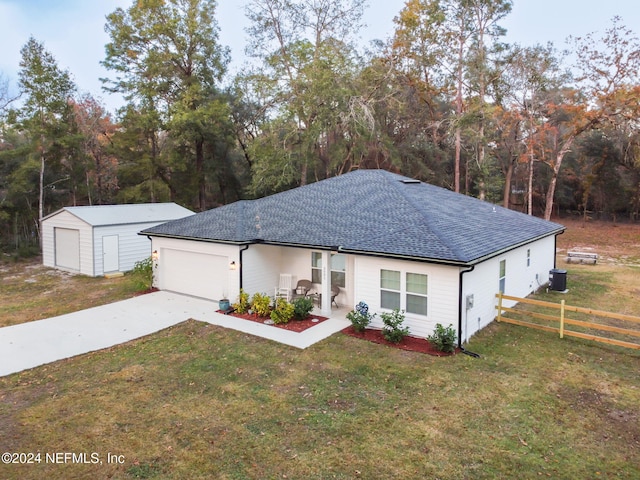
[
  {"x": 615, "y": 243},
  {"x": 15, "y": 400},
  {"x": 412, "y": 344},
  {"x": 293, "y": 325},
  {"x": 614, "y": 420}
]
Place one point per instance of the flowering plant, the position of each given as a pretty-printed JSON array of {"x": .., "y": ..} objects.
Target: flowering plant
[{"x": 360, "y": 317}]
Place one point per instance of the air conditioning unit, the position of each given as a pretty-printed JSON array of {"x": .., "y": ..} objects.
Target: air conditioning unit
[{"x": 557, "y": 280}]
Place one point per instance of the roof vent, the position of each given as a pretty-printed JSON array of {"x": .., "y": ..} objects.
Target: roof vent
[{"x": 410, "y": 181}]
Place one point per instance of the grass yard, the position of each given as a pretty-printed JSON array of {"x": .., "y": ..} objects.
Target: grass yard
[
  {"x": 30, "y": 291},
  {"x": 197, "y": 401}
]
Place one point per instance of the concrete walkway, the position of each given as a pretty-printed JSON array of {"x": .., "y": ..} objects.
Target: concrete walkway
[{"x": 36, "y": 343}]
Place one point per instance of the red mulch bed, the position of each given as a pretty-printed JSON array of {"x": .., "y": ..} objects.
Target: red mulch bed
[
  {"x": 144, "y": 292},
  {"x": 412, "y": 344},
  {"x": 292, "y": 325}
]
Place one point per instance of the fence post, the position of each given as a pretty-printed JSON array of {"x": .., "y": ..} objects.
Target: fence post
[
  {"x": 562, "y": 319},
  {"x": 499, "y": 306}
]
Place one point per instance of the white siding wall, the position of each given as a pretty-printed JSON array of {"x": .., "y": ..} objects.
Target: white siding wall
[
  {"x": 230, "y": 251},
  {"x": 132, "y": 247},
  {"x": 261, "y": 269},
  {"x": 521, "y": 280},
  {"x": 442, "y": 303},
  {"x": 66, "y": 220}
]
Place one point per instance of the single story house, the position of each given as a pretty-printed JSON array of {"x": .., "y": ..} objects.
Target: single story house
[
  {"x": 95, "y": 240},
  {"x": 385, "y": 239}
]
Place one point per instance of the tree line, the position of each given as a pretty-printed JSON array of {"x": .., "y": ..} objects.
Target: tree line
[{"x": 444, "y": 100}]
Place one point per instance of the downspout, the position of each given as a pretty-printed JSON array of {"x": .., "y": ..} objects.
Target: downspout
[
  {"x": 246, "y": 247},
  {"x": 460, "y": 307},
  {"x": 555, "y": 248},
  {"x": 154, "y": 264}
]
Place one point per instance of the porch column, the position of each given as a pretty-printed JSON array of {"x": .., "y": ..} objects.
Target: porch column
[{"x": 325, "y": 308}]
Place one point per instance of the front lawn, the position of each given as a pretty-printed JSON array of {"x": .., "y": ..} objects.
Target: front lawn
[{"x": 197, "y": 401}]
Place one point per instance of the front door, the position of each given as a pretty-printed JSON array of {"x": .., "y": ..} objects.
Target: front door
[{"x": 110, "y": 254}]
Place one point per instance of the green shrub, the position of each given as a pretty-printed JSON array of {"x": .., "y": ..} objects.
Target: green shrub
[
  {"x": 283, "y": 311},
  {"x": 302, "y": 307},
  {"x": 142, "y": 274},
  {"x": 392, "y": 330},
  {"x": 243, "y": 302},
  {"x": 360, "y": 317},
  {"x": 444, "y": 339},
  {"x": 261, "y": 304}
]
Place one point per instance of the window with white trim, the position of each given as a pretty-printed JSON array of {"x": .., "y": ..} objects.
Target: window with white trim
[
  {"x": 528, "y": 257},
  {"x": 416, "y": 293},
  {"x": 390, "y": 289},
  {"x": 404, "y": 291},
  {"x": 338, "y": 268},
  {"x": 316, "y": 267},
  {"x": 502, "y": 279}
]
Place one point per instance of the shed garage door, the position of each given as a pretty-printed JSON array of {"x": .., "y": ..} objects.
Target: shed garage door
[
  {"x": 196, "y": 274},
  {"x": 67, "y": 248}
]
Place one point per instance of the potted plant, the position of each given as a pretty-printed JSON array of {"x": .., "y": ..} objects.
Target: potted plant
[{"x": 223, "y": 304}]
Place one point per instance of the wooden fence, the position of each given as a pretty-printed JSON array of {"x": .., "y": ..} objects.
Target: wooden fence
[{"x": 562, "y": 320}]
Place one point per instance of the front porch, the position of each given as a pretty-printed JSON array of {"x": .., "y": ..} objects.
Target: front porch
[
  {"x": 339, "y": 312},
  {"x": 263, "y": 265}
]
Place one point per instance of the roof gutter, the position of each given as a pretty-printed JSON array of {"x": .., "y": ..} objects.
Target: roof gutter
[
  {"x": 194, "y": 239},
  {"x": 398, "y": 256},
  {"x": 333, "y": 248},
  {"x": 478, "y": 260}
]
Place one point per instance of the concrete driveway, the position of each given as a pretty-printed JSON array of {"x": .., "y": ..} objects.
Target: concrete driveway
[{"x": 36, "y": 343}]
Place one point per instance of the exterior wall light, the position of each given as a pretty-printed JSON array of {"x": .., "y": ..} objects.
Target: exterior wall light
[
  {"x": 155, "y": 255},
  {"x": 233, "y": 265}
]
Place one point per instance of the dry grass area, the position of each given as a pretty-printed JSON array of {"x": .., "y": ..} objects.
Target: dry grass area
[
  {"x": 199, "y": 402},
  {"x": 615, "y": 243},
  {"x": 613, "y": 284},
  {"x": 31, "y": 291}
]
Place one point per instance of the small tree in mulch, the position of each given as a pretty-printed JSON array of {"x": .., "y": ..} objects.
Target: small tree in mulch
[
  {"x": 261, "y": 304},
  {"x": 393, "y": 331},
  {"x": 444, "y": 339},
  {"x": 142, "y": 274},
  {"x": 283, "y": 311},
  {"x": 360, "y": 317},
  {"x": 302, "y": 307},
  {"x": 243, "y": 304}
]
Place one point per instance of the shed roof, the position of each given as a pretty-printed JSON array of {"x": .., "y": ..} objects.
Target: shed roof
[
  {"x": 103, "y": 215},
  {"x": 370, "y": 212}
]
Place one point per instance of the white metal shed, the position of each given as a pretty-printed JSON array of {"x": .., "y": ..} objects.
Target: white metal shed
[{"x": 96, "y": 240}]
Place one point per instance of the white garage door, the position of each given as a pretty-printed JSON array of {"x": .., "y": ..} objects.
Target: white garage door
[
  {"x": 67, "y": 248},
  {"x": 196, "y": 274}
]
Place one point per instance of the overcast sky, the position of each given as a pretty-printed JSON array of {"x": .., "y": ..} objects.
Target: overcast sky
[{"x": 73, "y": 30}]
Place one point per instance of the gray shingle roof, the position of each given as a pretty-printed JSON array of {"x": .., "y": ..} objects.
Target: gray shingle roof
[
  {"x": 369, "y": 211},
  {"x": 102, "y": 215}
]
